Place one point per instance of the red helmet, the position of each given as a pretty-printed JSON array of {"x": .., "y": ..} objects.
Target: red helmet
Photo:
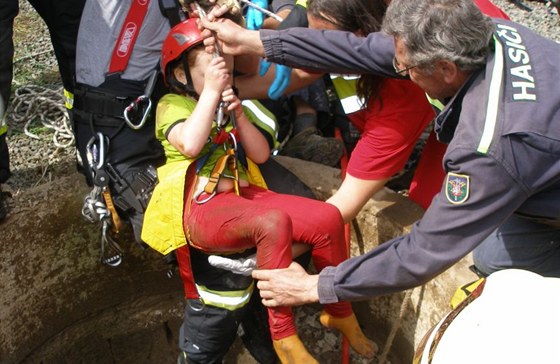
[{"x": 181, "y": 38}]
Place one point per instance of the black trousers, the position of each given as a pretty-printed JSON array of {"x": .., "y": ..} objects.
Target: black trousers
[
  {"x": 4, "y": 160},
  {"x": 62, "y": 18}
]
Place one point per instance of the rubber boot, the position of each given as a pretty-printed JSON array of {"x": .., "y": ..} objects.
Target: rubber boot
[
  {"x": 350, "y": 328},
  {"x": 291, "y": 350}
]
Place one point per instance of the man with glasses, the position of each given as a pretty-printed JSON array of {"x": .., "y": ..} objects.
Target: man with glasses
[
  {"x": 496, "y": 82},
  {"x": 400, "y": 70}
]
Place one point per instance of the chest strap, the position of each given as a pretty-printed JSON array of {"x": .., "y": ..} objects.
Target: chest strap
[{"x": 127, "y": 37}]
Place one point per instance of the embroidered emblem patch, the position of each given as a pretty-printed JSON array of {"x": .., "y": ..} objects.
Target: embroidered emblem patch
[{"x": 457, "y": 188}]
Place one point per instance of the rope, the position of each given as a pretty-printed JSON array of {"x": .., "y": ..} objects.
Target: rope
[
  {"x": 396, "y": 326},
  {"x": 33, "y": 102}
]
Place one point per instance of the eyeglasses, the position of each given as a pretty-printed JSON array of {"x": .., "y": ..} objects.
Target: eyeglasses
[{"x": 402, "y": 71}]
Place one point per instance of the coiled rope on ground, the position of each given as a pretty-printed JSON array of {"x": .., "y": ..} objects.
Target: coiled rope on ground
[{"x": 32, "y": 103}]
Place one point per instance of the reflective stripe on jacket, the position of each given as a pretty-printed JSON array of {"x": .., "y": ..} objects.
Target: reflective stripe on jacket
[
  {"x": 345, "y": 86},
  {"x": 229, "y": 300}
]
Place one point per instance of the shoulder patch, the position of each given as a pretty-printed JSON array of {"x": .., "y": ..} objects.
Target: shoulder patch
[{"x": 457, "y": 188}]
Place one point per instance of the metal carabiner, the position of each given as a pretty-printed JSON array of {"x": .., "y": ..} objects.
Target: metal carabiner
[
  {"x": 222, "y": 118},
  {"x": 96, "y": 154},
  {"x": 233, "y": 140},
  {"x": 195, "y": 199},
  {"x": 134, "y": 105},
  {"x": 93, "y": 209},
  {"x": 106, "y": 240},
  {"x": 201, "y": 305}
]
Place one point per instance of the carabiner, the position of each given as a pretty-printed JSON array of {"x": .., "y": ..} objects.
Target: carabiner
[
  {"x": 134, "y": 106},
  {"x": 233, "y": 139},
  {"x": 96, "y": 154},
  {"x": 222, "y": 118},
  {"x": 200, "y": 305},
  {"x": 113, "y": 260},
  {"x": 205, "y": 200}
]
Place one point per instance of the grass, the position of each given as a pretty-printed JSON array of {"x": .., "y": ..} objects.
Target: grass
[{"x": 34, "y": 60}]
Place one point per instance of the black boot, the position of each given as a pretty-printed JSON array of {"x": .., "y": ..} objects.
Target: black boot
[{"x": 309, "y": 145}]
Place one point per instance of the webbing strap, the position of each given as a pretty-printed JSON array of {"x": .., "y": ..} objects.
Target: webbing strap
[
  {"x": 117, "y": 222},
  {"x": 127, "y": 37},
  {"x": 187, "y": 273},
  {"x": 229, "y": 160},
  {"x": 184, "y": 254}
]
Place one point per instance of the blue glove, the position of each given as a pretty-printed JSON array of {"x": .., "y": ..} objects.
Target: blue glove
[
  {"x": 254, "y": 17},
  {"x": 281, "y": 80}
]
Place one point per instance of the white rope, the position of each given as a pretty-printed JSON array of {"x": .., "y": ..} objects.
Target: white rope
[
  {"x": 396, "y": 325},
  {"x": 33, "y": 102}
]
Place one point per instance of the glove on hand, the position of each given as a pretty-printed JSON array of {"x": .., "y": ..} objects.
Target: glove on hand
[
  {"x": 255, "y": 18},
  {"x": 281, "y": 80},
  {"x": 243, "y": 266}
]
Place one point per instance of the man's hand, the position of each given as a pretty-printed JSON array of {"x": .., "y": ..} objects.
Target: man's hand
[
  {"x": 229, "y": 37},
  {"x": 290, "y": 286}
]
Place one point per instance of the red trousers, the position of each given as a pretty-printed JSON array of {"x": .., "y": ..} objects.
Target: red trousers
[{"x": 270, "y": 221}]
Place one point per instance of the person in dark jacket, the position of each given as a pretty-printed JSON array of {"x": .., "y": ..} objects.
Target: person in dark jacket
[
  {"x": 62, "y": 19},
  {"x": 497, "y": 82}
]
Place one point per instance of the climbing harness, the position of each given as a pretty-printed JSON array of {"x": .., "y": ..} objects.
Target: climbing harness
[
  {"x": 229, "y": 159},
  {"x": 111, "y": 190}
]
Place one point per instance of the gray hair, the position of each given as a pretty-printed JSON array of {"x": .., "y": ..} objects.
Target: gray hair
[{"x": 433, "y": 30}]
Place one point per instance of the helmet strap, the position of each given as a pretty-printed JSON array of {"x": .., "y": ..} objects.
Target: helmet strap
[{"x": 189, "y": 87}]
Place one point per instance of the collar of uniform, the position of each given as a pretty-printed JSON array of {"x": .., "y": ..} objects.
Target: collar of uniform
[{"x": 447, "y": 119}]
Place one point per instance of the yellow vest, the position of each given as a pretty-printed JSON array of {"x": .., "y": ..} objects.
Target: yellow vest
[{"x": 162, "y": 228}]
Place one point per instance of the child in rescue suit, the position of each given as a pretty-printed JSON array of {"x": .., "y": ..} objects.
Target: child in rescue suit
[{"x": 209, "y": 193}]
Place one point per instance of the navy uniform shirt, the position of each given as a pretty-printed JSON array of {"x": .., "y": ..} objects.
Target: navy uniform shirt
[{"x": 503, "y": 130}]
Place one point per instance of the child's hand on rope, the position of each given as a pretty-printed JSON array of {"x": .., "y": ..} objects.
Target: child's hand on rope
[
  {"x": 217, "y": 75},
  {"x": 234, "y": 104}
]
